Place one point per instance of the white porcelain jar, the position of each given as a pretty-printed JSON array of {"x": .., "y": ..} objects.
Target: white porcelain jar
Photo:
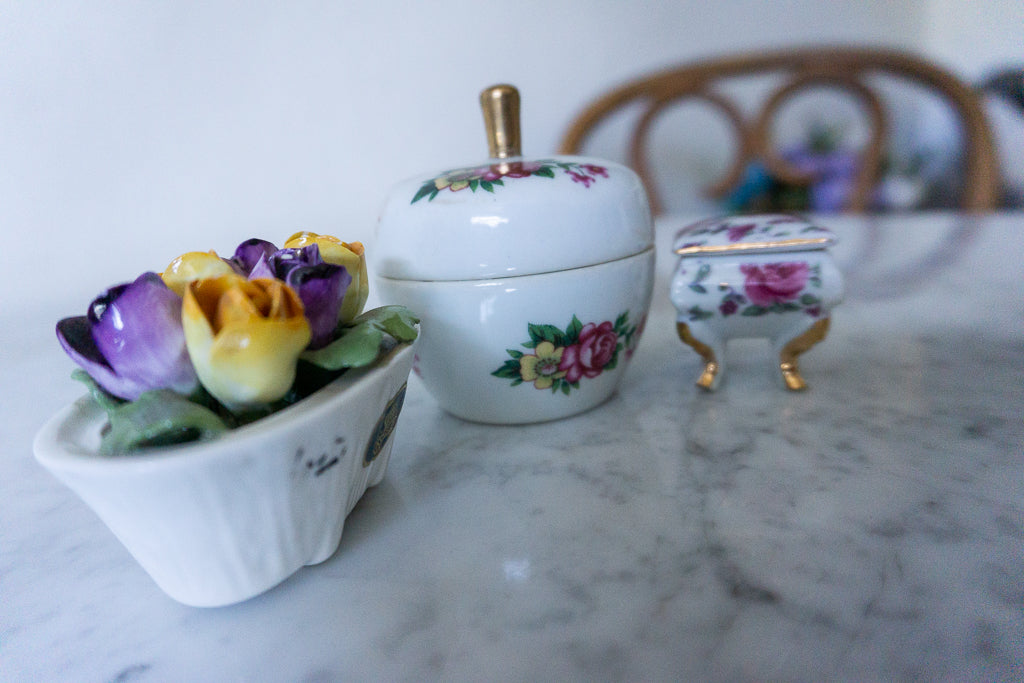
[
  {"x": 754, "y": 276},
  {"x": 532, "y": 277}
]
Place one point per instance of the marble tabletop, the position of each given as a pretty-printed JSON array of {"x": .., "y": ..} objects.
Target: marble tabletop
[{"x": 870, "y": 528}]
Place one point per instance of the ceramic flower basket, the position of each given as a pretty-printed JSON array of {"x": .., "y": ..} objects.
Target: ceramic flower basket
[{"x": 216, "y": 522}]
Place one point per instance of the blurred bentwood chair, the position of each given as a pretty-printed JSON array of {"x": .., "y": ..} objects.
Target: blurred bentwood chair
[{"x": 848, "y": 70}]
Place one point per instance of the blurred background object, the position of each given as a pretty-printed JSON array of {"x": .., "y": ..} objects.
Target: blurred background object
[
  {"x": 1009, "y": 84},
  {"x": 823, "y": 170},
  {"x": 1004, "y": 91},
  {"x": 131, "y": 132}
]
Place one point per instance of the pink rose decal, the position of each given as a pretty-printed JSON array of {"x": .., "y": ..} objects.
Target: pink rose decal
[
  {"x": 774, "y": 282},
  {"x": 591, "y": 353},
  {"x": 520, "y": 169}
]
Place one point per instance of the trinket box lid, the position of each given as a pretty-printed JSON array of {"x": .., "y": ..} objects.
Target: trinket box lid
[
  {"x": 509, "y": 215},
  {"x": 764, "y": 233}
]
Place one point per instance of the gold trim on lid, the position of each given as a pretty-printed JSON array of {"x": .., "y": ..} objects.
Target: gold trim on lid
[
  {"x": 500, "y": 104},
  {"x": 752, "y": 246}
]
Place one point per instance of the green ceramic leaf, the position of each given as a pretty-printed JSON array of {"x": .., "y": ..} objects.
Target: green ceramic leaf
[
  {"x": 158, "y": 418},
  {"x": 398, "y": 321},
  {"x": 103, "y": 398},
  {"x": 356, "y": 347},
  {"x": 363, "y": 340}
]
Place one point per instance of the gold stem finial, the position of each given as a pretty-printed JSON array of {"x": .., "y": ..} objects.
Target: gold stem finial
[{"x": 501, "y": 119}]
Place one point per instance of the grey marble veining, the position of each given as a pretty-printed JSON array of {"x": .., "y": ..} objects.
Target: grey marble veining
[{"x": 871, "y": 528}]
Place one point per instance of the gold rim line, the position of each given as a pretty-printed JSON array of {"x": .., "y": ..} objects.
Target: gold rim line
[{"x": 749, "y": 246}]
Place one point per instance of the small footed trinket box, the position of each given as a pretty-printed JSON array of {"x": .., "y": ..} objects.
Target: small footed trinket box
[{"x": 767, "y": 276}]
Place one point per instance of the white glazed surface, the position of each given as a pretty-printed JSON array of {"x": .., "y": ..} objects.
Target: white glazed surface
[
  {"x": 219, "y": 522},
  {"x": 468, "y": 328},
  {"x": 525, "y": 226}
]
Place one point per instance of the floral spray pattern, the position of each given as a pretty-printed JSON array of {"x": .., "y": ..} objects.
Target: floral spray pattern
[
  {"x": 561, "y": 358},
  {"x": 488, "y": 178},
  {"x": 767, "y": 288}
]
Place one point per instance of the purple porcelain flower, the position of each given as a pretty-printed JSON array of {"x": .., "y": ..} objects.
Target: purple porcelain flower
[
  {"x": 249, "y": 253},
  {"x": 321, "y": 286},
  {"x": 131, "y": 341}
]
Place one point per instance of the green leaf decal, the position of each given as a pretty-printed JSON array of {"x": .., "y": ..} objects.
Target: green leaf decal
[
  {"x": 548, "y": 333},
  {"x": 426, "y": 189},
  {"x": 572, "y": 332}
]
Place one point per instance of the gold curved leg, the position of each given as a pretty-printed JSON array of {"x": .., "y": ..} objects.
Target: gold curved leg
[
  {"x": 794, "y": 347},
  {"x": 707, "y": 377}
]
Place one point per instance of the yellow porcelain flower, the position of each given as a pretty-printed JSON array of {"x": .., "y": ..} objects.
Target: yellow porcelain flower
[
  {"x": 348, "y": 254},
  {"x": 244, "y": 337},
  {"x": 195, "y": 265},
  {"x": 541, "y": 367}
]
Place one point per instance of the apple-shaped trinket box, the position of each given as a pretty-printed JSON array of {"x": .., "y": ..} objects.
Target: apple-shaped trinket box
[{"x": 532, "y": 277}]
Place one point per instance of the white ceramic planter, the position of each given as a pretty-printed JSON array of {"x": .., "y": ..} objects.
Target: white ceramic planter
[
  {"x": 767, "y": 276},
  {"x": 533, "y": 278},
  {"x": 218, "y": 522}
]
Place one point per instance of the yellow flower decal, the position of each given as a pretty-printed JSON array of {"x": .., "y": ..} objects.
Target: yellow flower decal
[
  {"x": 348, "y": 254},
  {"x": 244, "y": 337},
  {"x": 541, "y": 367},
  {"x": 195, "y": 265}
]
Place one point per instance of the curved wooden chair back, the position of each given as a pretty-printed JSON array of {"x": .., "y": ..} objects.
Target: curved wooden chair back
[{"x": 843, "y": 69}]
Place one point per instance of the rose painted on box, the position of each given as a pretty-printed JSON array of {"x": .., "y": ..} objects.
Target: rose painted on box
[
  {"x": 489, "y": 178},
  {"x": 773, "y": 283},
  {"x": 767, "y": 288},
  {"x": 562, "y": 358}
]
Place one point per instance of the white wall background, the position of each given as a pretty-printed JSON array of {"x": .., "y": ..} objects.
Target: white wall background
[{"x": 131, "y": 132}]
